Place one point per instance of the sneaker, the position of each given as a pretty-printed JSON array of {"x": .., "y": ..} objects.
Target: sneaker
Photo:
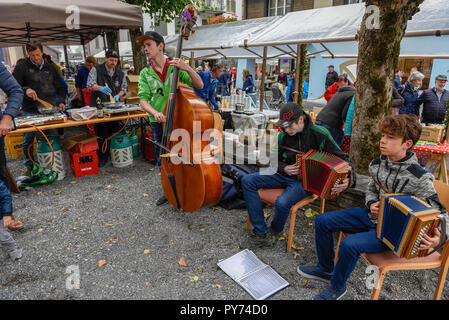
[
  {"x": 330, "y": 294},
  {"x": 261, "y": 240},
  {"x": 161, "y": 201},
  {"x": 314, "y": 272},
  {"x": 15, "y": 254}
]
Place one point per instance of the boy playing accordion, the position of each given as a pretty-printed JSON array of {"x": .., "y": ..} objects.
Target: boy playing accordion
[
  {"x": 398, "y": 171},
  {"x": 298, "y": 135}
]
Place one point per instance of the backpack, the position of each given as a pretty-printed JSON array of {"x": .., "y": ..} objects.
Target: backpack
[{"x": 232, "y": 195}]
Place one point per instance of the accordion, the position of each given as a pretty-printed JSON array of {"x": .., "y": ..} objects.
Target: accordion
[
  {"x": 403, "y": 221},
  {"x": 321, "y": 171}
]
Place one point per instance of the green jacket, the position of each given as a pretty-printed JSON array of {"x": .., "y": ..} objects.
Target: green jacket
[{"x": 156, "y": 92}]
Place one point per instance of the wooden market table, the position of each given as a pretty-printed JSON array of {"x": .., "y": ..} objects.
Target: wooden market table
[
  {"x": 135, "y": 114},
  {"x": 439, "y": 152}
]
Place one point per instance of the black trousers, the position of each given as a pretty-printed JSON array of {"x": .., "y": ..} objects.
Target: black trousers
[{"x": 104, "y": 131}]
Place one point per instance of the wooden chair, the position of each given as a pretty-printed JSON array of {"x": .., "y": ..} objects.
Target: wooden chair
[
  {"x": 269, "y": 197},
  {"x": 388, "y": 261}
]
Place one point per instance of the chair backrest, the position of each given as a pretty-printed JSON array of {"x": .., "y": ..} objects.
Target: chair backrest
[{"x": 443, "y": 192}]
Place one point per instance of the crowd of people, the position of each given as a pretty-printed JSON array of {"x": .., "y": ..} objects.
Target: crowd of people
[{"x": 396, "y": 168}]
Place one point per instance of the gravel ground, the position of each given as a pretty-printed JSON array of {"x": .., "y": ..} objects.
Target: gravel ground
[{"x": 125, "y": 247}]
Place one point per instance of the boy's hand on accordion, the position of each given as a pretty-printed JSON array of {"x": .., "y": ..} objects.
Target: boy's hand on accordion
[
  {"x": 374, "y": 208},
  {"x": 428, "y": 242},
  {"x": 292, "y": 170},
  {"x": 339, "y": 188}
]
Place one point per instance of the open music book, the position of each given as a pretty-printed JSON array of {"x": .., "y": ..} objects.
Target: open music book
[{"x": 257, "y": 278}]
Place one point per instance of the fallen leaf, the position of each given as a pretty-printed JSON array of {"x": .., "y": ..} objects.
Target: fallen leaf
[
  {"x": 39, "y": 193},
  {"x": 297, "y": 246},
  {"x": 24, "y": 219},
  {"x": 203, "y": 229},
  {"x": 295, "y": 254},
  {"x": 266, "y": 214},
  {"x": 311, "y": 224},
  {"x": 68, "y": 249},
  {"x": 217, "y": 244},
  {"x": 202, "y": 277},
  {"x": 200, "y": 269},
  {"x": 191, "y": 226},
  {"x": 75, "y": 228},
  {"x": 194, "y": 278},
  {"x": 65, "y": 209},
  {"x": 146, "y": 251},
  {"x": 72, "y": 182},
  {"x": 40, "y": 230},
  {"x": 149, "y": 283},
  {"x": 218, "y": 286},
  {"x": 172, "y": 243},
  {"x": 151, "y": 169},
  {"x": 114, "y": 177},
  {"x": 282, "y": 237},
  {"x": 101, "y": 263},
  {"x": 57, "y": 191},
  {"x": 304, "y": 281},
  {"x": 107, "y": 187},
  {"x": 145, "y": 194},
  {"x": 182, "y": 262}
]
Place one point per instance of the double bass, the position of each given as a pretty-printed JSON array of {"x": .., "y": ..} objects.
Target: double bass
[{"x": 190, "y": 178}]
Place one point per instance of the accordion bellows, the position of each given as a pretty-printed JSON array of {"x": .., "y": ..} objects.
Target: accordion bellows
[
  {"x": 321, "y": 171},
  {"x": 403, "y": 220}
]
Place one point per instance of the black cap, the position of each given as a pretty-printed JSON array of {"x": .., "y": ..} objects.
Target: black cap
[
  {"x": 150, "y": 35},
  {"x": 289, "y": 113},
  {"x": 441, "y": 77},
  {"x": 112, "y": 54}
]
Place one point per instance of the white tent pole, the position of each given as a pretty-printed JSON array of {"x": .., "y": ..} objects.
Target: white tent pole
[{"x": 290, "y": 54}]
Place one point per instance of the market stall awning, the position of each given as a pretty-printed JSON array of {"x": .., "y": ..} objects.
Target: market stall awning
[
  {"x": 55, "y": 21},
  {"x": 340, "y": 23}
]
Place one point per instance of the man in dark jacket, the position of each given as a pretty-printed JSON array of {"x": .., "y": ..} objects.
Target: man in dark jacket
[
  {"x": 298, "y": 135},
  {"x": 15, "y": 96},
  {"x": 331, "y": 77},
  {"x": 333, "y": 115},
  {"x": 38, "y": 79},
  {"x": 435, "y": 101},
  {"x": 106, "y": 80}
]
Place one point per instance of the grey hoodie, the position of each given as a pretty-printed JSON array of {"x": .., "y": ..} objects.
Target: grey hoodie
[{"x": 404, "y": 176}]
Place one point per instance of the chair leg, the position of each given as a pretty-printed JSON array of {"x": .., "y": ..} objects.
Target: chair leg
[
  {"x": 440, "y": 285},
  {"x": 340, "y": 238},
  {"x": 291, "y": 231},
  {"x": 248, "y": 223},
  {"x": 378, "y": 287},
  {"x": 322, "y": 204}
]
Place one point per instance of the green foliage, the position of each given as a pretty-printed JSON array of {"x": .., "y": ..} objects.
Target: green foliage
[{"x": 165, "y": 11}]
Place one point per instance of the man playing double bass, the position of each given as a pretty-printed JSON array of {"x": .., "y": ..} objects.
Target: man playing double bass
[{"x": 154, "y": 85}]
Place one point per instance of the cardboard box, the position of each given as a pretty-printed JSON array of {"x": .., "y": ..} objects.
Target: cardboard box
[
  {"x": 132, "y": 95},
  {"x": 432, "y": 133},
  {"x": 83, "y": 143}
]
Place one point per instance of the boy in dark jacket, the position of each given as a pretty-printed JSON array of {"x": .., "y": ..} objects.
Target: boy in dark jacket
[
  {"x": 6, "y": 240},
  {"x": 299, "y": 135},
  {"x": 398, "y": 171}
]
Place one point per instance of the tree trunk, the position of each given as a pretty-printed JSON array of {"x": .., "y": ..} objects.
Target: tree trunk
[
  {"x": 112, "y": 39},
  {"x": 138, "y": 53},
  {"x": 379, "y": 48},
  {"x": 301, "y": 62}
]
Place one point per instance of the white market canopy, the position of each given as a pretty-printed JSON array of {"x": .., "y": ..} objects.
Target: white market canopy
[
  {"x": 46, "y": 21},
  {"x": 328, "y": 29}
]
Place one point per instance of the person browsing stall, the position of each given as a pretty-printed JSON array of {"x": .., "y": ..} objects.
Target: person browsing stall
[
  {"x": 14, "y": 91},
  {"x": 154, "y": 85},
  {"x": 298, "y": 135},
  {"x": 396, "y": 170},
  {"x": 106, "y": 80},
  {"x": 210, "y": 81},
  {"x": 435, "y": 101},
  {"x": 81, "y": 79},
  {"x": 38, "y": 79}
]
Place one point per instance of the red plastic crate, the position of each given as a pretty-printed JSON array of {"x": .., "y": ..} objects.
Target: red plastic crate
[{"x": 83, "y": 164}]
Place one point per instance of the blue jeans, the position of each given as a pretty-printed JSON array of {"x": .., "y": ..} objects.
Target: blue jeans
[
  {"x": 362, "y": 239},
  {"x": 28, "y": 139},
  {"x": 293, "y": 193},
  {"x": 337, "y": 134},
  {"x": 157, "y": 131}
]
